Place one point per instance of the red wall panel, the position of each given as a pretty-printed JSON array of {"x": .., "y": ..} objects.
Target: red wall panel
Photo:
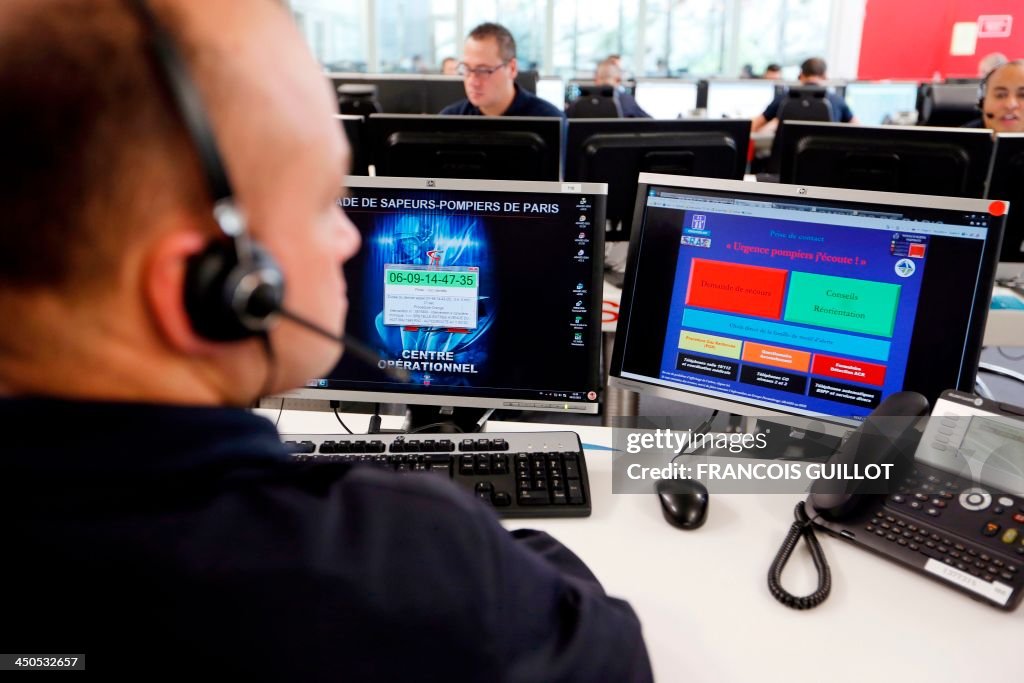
[{"x": 910, "y": 40}]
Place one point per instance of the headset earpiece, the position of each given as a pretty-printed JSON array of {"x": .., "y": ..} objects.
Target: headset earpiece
[{"x": 228, "y": 299}]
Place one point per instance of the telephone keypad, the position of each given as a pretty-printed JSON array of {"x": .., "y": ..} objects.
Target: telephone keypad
[{"x": 975, "y": 562}]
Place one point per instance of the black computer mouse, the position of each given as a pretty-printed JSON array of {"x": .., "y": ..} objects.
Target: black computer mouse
[{"x": 684, "y": 502}]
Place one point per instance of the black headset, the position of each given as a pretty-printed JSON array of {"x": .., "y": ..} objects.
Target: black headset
[{"x": 233, "y": 287}]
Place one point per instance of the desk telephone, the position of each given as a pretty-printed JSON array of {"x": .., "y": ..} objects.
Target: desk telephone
[{"x": 953, "y": 509}]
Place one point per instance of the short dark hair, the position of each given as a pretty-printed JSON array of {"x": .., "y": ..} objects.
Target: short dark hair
[
  {"x": 815, "y": 66},
  {"x": 506, "y": 43},
  {"x": 84, "y": 127},
  {"x": 773, "y": 67}
]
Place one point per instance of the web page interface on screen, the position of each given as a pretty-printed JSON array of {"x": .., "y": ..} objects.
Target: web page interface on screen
[
  {"x": 475, "y": 293},
  {"x": 806, "y": 308}
]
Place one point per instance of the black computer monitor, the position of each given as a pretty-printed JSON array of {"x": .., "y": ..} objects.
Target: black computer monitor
[
  {"x": 440, "y": 91},
  {"x": 941, "y": 104},
  {"x": 496, "y": 148},
  {"x": 353, "y": 128},
  {"x": 1007, "y": 182},
  {"x": 764, "y": 299},
  {"x": 616, "y": 151},
  {"x": 396, "y": 93},
  {"x": 947, "y": 162},
  {"x": 487, "y": 293}
]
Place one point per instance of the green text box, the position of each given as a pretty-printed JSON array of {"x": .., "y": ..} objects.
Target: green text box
[{"x": 842, "y": 303}]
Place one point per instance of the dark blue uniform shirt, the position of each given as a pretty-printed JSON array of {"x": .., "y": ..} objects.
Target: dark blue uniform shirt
[
  {"x": 525, "y": 103},
  {"x": 172, "y": 542},
  {"x": 840, "y": 110}
]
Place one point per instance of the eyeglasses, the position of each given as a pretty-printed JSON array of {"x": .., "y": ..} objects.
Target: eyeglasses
[{"x": 466, "y": 71}]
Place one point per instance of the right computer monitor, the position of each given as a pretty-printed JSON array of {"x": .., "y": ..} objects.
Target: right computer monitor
[
  {"x": 765, "y": 299},
  {"x": 877, "y": 102},
  {"x": 946, "y": 162},
  {"x": 617, "y": 151},
  {"x": 1006, "y": 182},
  {"x": 493, "y": 148}
]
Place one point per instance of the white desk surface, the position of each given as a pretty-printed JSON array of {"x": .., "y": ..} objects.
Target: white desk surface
[{"x": 703, "y": 600}]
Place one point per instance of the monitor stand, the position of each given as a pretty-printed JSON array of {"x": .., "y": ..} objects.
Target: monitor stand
[
  {"x": 782, "y": 442},
  {"x": 444, "y": 419}
]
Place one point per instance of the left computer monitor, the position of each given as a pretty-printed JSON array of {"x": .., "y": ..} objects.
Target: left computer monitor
[
  {"x": 494, "y": 148},
  {"x": 488, "y": 294},
  {"x": 616, "y": 151},
  {"x": 945, "y": 162},
  {"x": 1007, "y": 182}
]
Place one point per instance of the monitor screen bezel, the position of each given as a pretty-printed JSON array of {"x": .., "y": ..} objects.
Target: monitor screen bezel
[
  {"x": 459, "y": 400},
  {"x": 1007, "y": 269},
  {"x": 831, "y": 424}
]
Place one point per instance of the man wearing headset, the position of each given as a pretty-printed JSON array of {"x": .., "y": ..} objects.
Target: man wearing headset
[
  {"x": 152, "y": 524},
  {"x": 1001, "y": 99}
]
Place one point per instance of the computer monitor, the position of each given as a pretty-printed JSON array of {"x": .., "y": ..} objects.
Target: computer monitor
[
  {"x": 616, "y": 151},
  {"x": 353, "y": 128},
  {"x": 738, "y": 99},
  {"x": 1007, "y": 182},
  {"x": 666, "y": 98},
  {"x": 769, "y": 299},
  {"x": 875, "y": 103},
  {"x": 552, "y": 89},
  {"x": 440, "y": 91},
  {"x": 487, "y": 293},
  {"x": 497, "y": 148},
  {"x": 940, "y": 104},
  {"x": 396, "y": 93},
  {"x": 947, "y": 162}
]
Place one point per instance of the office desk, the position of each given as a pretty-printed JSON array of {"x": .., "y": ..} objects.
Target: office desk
[{"x": 703, "y": 600}]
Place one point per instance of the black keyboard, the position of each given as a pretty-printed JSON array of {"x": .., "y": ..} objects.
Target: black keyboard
[{"x": 521, "y": 474}]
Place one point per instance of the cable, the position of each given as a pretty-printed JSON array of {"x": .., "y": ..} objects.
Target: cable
[
  {"x": 334, "y": 406},
  {"x": 801, "y": 527},
  {"x": 1001, "y": 371},
  {"x": 701, "y": 429},
  {"x": 1008, "y": 356},
  {"x": 981, "y": 388},
  {"x": 281, "y": 410},
  {"x": 424, "y": 428}
]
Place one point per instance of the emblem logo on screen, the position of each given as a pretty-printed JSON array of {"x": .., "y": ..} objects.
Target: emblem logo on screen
[{"x": 905, "y": 267}]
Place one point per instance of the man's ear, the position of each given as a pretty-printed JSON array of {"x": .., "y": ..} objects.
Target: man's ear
[
  {"x": 513, "y": 67},
  {"x": 163, "y": 285}
]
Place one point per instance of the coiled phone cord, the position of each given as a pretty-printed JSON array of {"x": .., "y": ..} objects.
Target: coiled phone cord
[{"x": 801, "y": 527}]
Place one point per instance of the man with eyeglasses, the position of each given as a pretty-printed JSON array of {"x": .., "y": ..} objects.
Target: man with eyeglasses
[{"x": 489, "y": 70}]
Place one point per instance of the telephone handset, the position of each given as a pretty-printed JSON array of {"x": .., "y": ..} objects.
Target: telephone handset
[
  {"x": 952, "y": 507},
  {"x": 889, "y": 436}
]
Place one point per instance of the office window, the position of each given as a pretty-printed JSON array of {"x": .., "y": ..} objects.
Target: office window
[
  {"x": 334, "y": 32},
  {"x": 413, "y": 36},
  {"x": 685, "y": 37},
  {"x": 587, "y": 31},
  {"x": 783, "y": 31},
  {"x": 569, "y": 37}
]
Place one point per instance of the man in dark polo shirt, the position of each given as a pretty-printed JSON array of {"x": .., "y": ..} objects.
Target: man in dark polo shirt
[
  {"x": 151, "y": 522},
  {"x": 489, "y": 68},
  {"x": 812, "y": 72}
]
